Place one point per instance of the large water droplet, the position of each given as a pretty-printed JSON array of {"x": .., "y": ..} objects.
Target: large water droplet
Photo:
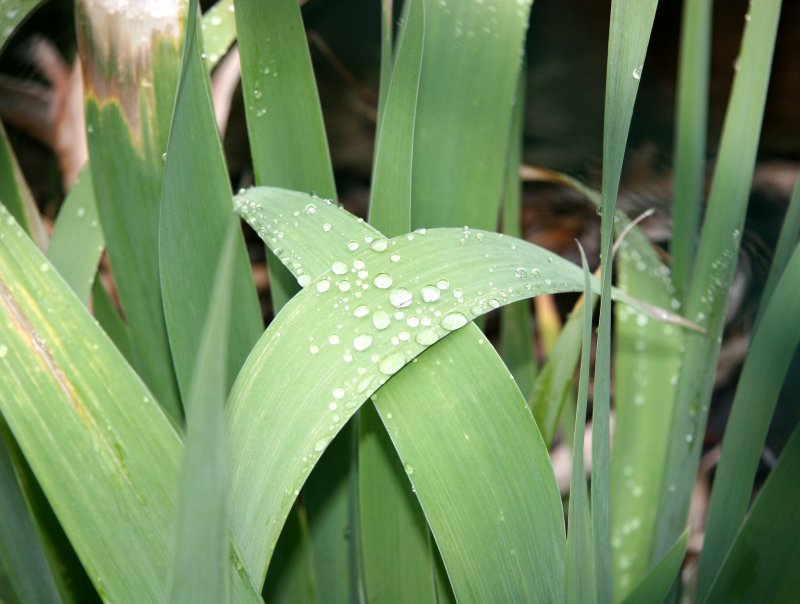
[
  {"x": 323, "y": 286},
  {"x": 361, "y": 311},
  {"x": 426, "y": 337},
  {"x": 339, "y": 268},
  {"x": 379, "y": 245},
  {"x": 453, "y": 320},
  {"x": 392, "y": 363},
  {"x": 382, "y": 281},
  {"x": 401, "y": 297}
]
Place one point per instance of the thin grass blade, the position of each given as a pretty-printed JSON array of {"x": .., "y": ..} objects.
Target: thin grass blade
[
  {"x": 201, "y": 569},
  {"x": 763, "y": 560},
  {"x": 77, "y": 242},
  {"x": 15, "y": 194},
  {"x": 707, "y": 297},
  {"x": 580, "y": 551},
  {"x": 631, "y": 23},
  {"x": 657, "y": 583},
  {"x": 769, "y": 356},
  {"x": 109, "y": 319}
]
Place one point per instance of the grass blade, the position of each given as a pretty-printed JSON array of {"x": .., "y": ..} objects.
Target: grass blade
[
  {"x": 15, "y": 194},
  {"x": 127, "y": 128},
  {"x": 690, "y": 137},
  {"x": 657, "y": 583},
  {"x": 77, "y": 242},
  {"x": 714, "y": 269},
  {"x": 580, "y": 562},
  {"x": 12, "y": 14},
  {"x": 631, "y": 22},
  {"x": 219, "y": 31},
  {"x": 201, "y": 572},
  {"x": 469, "y": 78},
  {"x": 770, "y": 534},
  {"x": 110, "y": 321},
  {"x": 81, "y": 416},
  {"x": 195, "y": 212},
  {"x": 774, "y": 342},
  {"x": 284, "y": 119}
]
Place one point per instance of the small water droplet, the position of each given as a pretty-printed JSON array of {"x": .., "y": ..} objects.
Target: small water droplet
[
  {"x": 382, "y": 281},
  {"x": 337, "y": 393},
  {"x": 326, "y": 227},
  {"x": 313, "y": 349},
  {"x": 323, "y": 286},
  {"x": 361, "y": 311},
  {"x": 304, "y": 280},
  {"x": 442, "y": 284},
  {"x": 320, "y": 445},
  {"x": 379, "y": 245},
  {"x": 312, "y": 209},
  {"x": 352, "y": 245},
  {"x": 409, "y": 469},
  {"x": 332, "y": 406},
  {"x": 430, "y": 293},
  {"x": 395, "y": 257},
  {"x": 381, "y": 320},
  {"x": 344, "y": 286},
  {"x": 3, "y": 350},
  {"x": 362, "y": 341},
  {"x": 521, "y": 273},
  {"x": 637, "y": 73},
  {"x": 333, "y": 339},
  {"x": 392, "y": 363},
  {"x": 426, "y": 337},
  {"x": 339, "y": 268},
  {"x": 458, "y": 293},
  {"x": 44, "y": 267}
]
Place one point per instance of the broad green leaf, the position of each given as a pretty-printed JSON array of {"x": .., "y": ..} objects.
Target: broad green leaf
[
  {"x": 715, "y": 265},
  {"x": 516, "y": 322},
  {"x": 219, "y": 31},
  {"x": 395, "y": 539},
  {"x": 24, "y": 573},
  {"x": 769, "y": 355},
  {"x": 646, "y": 364},
  {"x": 325, "y": 221},
  {"x": 690, "y": 137},
  {"x": 631, "y": 23},
  {"x": 15, "y": 194},
  {"x": 12, "y": 14},
  {"x": 762, "y": 563},
  {"x": 656, "y": 584},
  {"x": 130, "y": 76},
  {"x": 97, "y": 441},
  {"x": 580, "y": 578},
  {"x": 195, "y": 212},
  {"x": 284, "y": 119},
  {"x": 201, "y": 572},
  {"x": 469, "y": 76},
  {"x": 77, "y": 242}
]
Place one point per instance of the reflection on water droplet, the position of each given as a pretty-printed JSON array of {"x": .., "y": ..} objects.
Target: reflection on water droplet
[
  {"x": 381, "y": 320},
  {"x": 401, "y": 298},
  {"x": 382, "y": 281},
  {"x": 430, "y": 293},
  {"x": 453, "y": 320}
]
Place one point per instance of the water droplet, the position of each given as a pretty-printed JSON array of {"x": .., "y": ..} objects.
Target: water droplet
[
  {"x": 458, "y": 293},
  {"x": 453, "y": 320},
  {"x": 521, "y": 273},
  {"x": 382, "y": 281},
  {"x": 426, "y": 337},
  {"x": 395, "y": 257},
  {"x": 404, "y": 336},
  {"x": 164, "y": 156},
  {"x": 337, "y": 393},
  {"x": 344, "y": 286},
  {"x": 313, "y": 349},
  {"x": 361, "y": 311},
  {"x": 362, "y": 341},
  {"x": 326, "y": 227},
  {"x": 44, "y": 267},
  {"x": 352, "y": 245},
  {"x": 332, "y": 406},
  {"x": 304, "y": 280},
  {"x": 637, "y": 73},
  {"x": 81, "y": 212},
  {"x": 430, "y": 293},
  {"x": 339, "y": 268},
  {"x": 392, "y": 363},
  {"x": 409, "y": 469},
  {"x": 312, "y": 209},
  {"x": 412, "y": 321},
  {"x": 320, "y": 445},
  {"x": 381, "y": 320},
  {"x": 442, "y": 284},
  {"x": 379, "y": 245},
  {"x": 333, "y": 339},
  {"x": 3, "y": 350},
  {"x": 401, "y": 298},
  {"x": 323, "y": 286}
]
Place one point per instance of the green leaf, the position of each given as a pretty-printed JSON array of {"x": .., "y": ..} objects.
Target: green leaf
[
  {"x": 762, "y": 563},
  {"x": 24, "y": 573},
  {"x": 629, "y": 33},
  {"x": 646, "y": 364},
  {"x": 580, "y": 552},
  {"x": 317, "y": 221},
  {"x": 469, "y": 76},
  {"x": 219, "y": 31},
  {"x": 110, "y": 321},
  {"x": 15, "y": 194},
  {"x": 656, "y": 584},
  {"x": 77, "y": 242},
  {"x": 12, "y": 14},
  {"x": 284, "y": 119},
  {"x": 690, "y": 138},
  {"x": 715, "y": 265},
  {"x": 769, "y": 355},
  {"x": 201, "y": 572},
  {"x": 97, "y": 441},
  {"x": 129, "y": 91},
  {"x": 195, "y": 213}
]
